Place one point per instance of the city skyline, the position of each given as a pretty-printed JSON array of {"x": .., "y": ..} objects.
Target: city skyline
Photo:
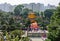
[
  {"x": 16, "y": 2},
  {"x": 35, "y": 7}
]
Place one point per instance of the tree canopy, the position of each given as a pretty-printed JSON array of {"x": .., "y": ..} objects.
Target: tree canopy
[
  {"x": 54, "y": 26},
  {"x": 18, "y": 10},
  {"x": 48, "y": 13}
]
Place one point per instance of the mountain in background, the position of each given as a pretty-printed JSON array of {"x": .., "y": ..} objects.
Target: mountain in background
[{"x": 35, "y": 7}]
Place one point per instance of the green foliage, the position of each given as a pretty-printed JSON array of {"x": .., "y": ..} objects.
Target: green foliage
[
  {"x": 18, "y": 10},
  {"x": 47, "y": 40},
  {"x": 7, "y": 36},
  {"x": 25, "y": 12},
  {"x": 54, "y": 27},
  {"x": 48, "y": 13},
  {"x": 1, "y": 37},
  {"x": 27, "y": 23},
  {"x": 26, "y": 39},
  {"x": 8, "y": 22},
  {"x": 17, "y": 33},
  {"x": 36, "y": 13},
  {"x": 17, "y": 38}
]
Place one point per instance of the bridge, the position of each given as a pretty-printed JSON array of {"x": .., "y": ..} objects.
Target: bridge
[{"x": 35, "y": 35}]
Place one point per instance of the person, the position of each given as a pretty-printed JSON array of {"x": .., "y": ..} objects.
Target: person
[
  {"x": 34, "y": 26},
  {"x": 44, "y": 36}
]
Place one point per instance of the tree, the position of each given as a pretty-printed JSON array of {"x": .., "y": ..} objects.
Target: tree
[
  {"x": 37, "y": 13},
  {"x": 43, "y": 21},
  {"x": 3, "y": 21},
  {"x": 25, "y": 12},
  {"x": 27, "y": 23},
  {"x": 26, "y": 39},
  {"x": 18, "y": 10},
  {"x": 54, "y": 26},
  {"x": 48, "y": 13},
  {"x": 8, "y": 22},
  {"x": 18, "y": 33}
]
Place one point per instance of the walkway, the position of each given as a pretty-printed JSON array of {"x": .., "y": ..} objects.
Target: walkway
[{"x": 34, "y": 38}]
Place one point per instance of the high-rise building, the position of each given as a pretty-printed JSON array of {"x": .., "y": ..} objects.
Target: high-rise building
[
  {"x": 7, "y": 7},
  {"x": 33, "y": 6}
]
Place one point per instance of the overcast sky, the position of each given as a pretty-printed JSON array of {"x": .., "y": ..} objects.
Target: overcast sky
[{"x": 16, "y": 2}]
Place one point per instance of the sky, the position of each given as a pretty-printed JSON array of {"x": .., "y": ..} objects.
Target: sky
[{"x": 16, "y": 2}]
